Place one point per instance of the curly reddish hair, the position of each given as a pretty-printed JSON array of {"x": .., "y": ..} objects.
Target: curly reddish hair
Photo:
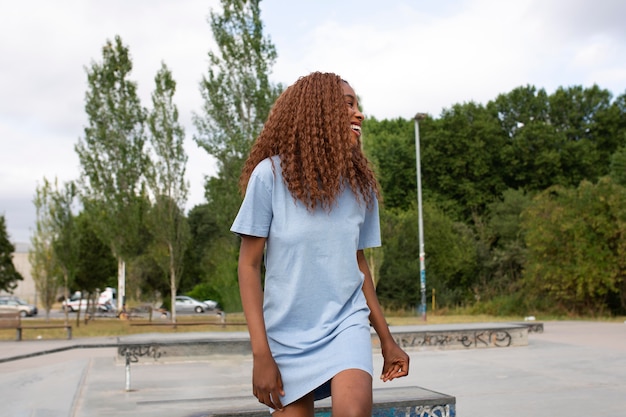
[{"x": 309, "y": 129}]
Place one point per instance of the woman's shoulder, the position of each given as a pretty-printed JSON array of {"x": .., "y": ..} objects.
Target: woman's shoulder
[{"x": 267, "y": 168}]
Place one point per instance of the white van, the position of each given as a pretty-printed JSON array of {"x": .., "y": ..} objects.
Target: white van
[{"x": 106, "y": 301}]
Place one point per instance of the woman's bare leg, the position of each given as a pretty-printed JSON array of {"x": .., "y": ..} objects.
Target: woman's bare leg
[
  {"x": 352, "y": 394},
  {"x": 299, "y": 408}
]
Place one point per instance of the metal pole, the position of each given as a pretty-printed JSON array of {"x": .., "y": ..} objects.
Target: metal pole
[
  {"x": 127, "y": 369},
  {"x": 422, "y": 254}
]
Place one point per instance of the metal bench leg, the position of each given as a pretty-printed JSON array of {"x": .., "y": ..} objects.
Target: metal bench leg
[
  {"x": 18, "y": 335},
  {"x": 127, "y": 370}
]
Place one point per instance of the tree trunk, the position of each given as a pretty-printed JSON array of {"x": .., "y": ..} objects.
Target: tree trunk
[
  {"x": 172, "y": 282},
  {"x": 121, "y": 285}
]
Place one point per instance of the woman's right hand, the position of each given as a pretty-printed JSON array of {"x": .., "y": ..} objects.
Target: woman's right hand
[{"x": 267, "y": 385}]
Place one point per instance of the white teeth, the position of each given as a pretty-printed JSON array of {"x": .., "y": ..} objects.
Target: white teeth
[{"x": 356, "y": 127}]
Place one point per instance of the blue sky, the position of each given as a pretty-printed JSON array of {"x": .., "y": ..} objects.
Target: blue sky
[{"x": 401, "y": 56}]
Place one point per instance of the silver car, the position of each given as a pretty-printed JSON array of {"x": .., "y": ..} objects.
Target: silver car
[
  {"x": 17, "y": 304},
  {"x": 190, "y": 305}
]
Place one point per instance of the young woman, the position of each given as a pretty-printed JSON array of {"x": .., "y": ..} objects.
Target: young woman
[{"x": 310, "y": 209}]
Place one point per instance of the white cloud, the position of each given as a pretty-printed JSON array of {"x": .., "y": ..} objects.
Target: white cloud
[{"x": 418, "y": 60}]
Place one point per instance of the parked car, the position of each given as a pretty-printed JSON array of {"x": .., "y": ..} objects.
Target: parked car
[
  {"x": 17, "y": 304},
  {"x": 191, "y": 305},
  {"x": 74, "y": 304},
  {"x": 212, "y": 304}
]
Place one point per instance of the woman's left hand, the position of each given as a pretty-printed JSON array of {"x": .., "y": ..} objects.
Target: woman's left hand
[{"x": 396, "y": 363}]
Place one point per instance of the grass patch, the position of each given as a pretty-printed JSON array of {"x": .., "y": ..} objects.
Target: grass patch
[
  {"x": 403, "y": 320},
  {"x": 103, "y": 327}
]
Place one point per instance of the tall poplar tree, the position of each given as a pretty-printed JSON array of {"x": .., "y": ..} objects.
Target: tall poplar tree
[
  {"x": 65, "y": 244},
  {"x": 44, "y": 265},
  {"x": 167, "y": 180},
  {"x": 111, "y": 154},
  {"x": 237, "y": 97}
]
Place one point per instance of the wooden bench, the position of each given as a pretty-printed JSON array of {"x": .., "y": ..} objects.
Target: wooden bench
[
  {"x": 220, "y": 320},
  {"x": 185, "y": 323},
  {"x": 13, "y": 320},
  {"x": 178, "y": 323}
]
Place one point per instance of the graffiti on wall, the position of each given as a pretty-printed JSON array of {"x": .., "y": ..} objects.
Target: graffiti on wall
[
  {"x": 444, "y": 410},
  {"x": 134, "y": 352},
  {"x": 479, "y": 338}
]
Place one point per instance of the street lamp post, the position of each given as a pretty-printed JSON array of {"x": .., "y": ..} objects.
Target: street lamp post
[{"x": 420, "y": 220}]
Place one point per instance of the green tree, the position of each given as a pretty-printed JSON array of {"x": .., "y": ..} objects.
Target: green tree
[
  {"x": 520, "y": 107},
  {"x": 587, "y": 146},
  {"x": 618, "y": 166},
  {"x": 65, "y": 243},
  {"x": 43, "y": 261},
  {"x": 150, "y": 282},
  {"x": 576, "y": 247},
  {"x": 461, "y": 159},
  {"x": 111, "y": 155},
  {"x": 9, "y": 276},
  {"x": 199, "y": 264},
  {"x": 167, "y": 180},
  {"x": 530, "y": 153},
  {"x": 390, "y": 145},
  {"x": 619, "y": 104},
  {"x": 96, "y": 266},
  {"x": 501, "y": 254},
  {"x": 450, "y": 258},
  {"x": 237, "y": 97},
  {"x": 481, "y": 165},
  {"x": 609, "y": 130}
]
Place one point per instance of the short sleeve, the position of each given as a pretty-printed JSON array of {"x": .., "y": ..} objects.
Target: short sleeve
[
  {"x": 255, "y": 214},
  {"x": 369, "y": 234}
]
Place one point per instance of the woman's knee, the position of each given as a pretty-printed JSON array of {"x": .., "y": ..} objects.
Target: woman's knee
[
  {"x": 352, "y": 394},
  {"x": 302, "y": 407}
]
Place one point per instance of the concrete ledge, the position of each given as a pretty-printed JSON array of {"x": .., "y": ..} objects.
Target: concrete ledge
[
  {"x": 388, "y": 402},
  {"x": 200, "y": 346},
  {"x": 459, "y": 336},
  {"x": 533, "y": 327},
  {"x": 163, "y": 347}
]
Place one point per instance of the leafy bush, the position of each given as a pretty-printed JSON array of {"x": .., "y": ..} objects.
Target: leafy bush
[{"x": 205, "y": 291}]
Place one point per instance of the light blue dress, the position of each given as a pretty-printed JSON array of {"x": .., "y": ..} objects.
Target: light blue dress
[{"x": 315, "y": 311}]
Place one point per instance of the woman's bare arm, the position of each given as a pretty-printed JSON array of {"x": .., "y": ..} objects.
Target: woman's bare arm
[
  {"x": 396, "y": 361},
  {"x": 267, "y": 384}
]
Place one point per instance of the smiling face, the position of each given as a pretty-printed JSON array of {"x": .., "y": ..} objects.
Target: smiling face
[{"x": 356, "y": 117}]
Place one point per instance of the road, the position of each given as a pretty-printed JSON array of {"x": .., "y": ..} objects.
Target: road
[{"x": 60, "y": 314}]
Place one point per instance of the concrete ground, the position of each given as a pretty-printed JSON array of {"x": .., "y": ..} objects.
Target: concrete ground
[{"x": 572, "y": 368}]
